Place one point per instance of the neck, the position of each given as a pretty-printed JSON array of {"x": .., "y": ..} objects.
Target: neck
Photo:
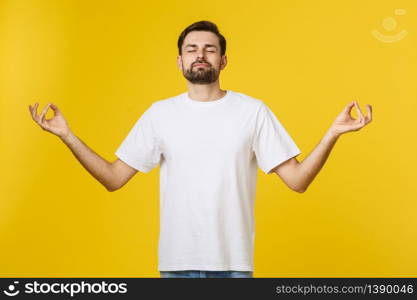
[{"x": 205, "y": 92}]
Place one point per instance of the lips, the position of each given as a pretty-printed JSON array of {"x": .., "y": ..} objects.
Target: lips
[{"x": 196, "y": 65}]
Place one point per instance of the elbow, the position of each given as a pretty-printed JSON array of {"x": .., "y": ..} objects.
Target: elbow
[
  {"x": 111, "y": 188},
  {"x": 300, "y": 189}
]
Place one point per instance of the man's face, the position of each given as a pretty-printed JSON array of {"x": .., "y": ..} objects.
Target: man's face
[{"x": 201, "y": 60}]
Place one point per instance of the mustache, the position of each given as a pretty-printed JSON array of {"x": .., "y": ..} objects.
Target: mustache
[{"x": 200, "y": 62}]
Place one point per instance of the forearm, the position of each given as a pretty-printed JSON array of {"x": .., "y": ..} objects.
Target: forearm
[
  {"x": 98, "y": 167},
  {"x": 312, "y": 164}
]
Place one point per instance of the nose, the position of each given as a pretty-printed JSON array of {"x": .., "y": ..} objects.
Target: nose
[{"x": 200, "y": 54}]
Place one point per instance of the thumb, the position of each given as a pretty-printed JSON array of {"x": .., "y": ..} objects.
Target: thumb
[
  {"x": 349, "y": 106},
  {"x": 55, "y": 109}
]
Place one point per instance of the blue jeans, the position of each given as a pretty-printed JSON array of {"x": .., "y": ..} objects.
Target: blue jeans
[{"x": 206, "y": 274}]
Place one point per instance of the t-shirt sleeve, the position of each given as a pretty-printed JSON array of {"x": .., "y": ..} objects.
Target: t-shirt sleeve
[
  {"x": 140, "y": 149},
  {"x": 272, "y": 144}
]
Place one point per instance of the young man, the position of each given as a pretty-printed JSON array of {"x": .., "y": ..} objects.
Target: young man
[{"x": 208, "y": 143}]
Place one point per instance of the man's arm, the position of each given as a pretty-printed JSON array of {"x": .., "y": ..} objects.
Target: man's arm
[
  {"x": 299, "y": 175},
  {"x": 111, "y": 175}
]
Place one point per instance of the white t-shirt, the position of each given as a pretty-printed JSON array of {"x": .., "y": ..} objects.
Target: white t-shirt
[{"x": 208, "y": 154}]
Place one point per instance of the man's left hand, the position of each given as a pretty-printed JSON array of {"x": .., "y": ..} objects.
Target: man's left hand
[{"x": 345, "y": 123}]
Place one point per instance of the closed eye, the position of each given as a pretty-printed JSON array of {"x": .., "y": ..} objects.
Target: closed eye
[{"x": 194, "y": 51}]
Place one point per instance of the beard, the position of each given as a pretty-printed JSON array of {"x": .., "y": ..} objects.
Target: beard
[{"x": 201, "y": 75}]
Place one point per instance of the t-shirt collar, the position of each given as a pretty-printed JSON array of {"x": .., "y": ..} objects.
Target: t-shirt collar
[{"x": 190, "y": 101}]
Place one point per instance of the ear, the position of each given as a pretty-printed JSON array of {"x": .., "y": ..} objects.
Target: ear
[
  {"x": 223, "y": 62},
  {"x": 179, "y": 62}
]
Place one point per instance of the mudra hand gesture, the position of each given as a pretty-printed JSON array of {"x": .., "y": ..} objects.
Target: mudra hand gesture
[
  {"x": 345, "y": 123},
  {"x": 56, "y": 125}
]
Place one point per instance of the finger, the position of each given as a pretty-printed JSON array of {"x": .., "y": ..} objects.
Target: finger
[
  {"x": 31, "y": 111},
  {"x": 348, "y": 107},
  {"x": 35, "y": 112},
  {"x": 369, "y": 110},
  {"x": 55, "y": 109},
  {"x": 362, "y": 118},
  {"x": 42, "y": 116}
]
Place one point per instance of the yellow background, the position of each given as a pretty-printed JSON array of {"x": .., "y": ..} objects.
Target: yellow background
[{"x": 104, "y": 62}]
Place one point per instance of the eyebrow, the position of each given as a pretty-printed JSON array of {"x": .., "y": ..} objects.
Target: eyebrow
[{"x": 206, "y": 45}]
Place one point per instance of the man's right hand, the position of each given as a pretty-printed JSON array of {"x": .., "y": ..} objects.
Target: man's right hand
[{"x": 56, "y": 125}]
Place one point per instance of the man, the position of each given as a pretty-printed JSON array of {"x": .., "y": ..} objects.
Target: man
[{"x": 208, "y": 143}]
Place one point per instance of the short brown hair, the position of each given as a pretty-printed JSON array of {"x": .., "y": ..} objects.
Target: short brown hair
[{"x": 202, "y": 26}]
